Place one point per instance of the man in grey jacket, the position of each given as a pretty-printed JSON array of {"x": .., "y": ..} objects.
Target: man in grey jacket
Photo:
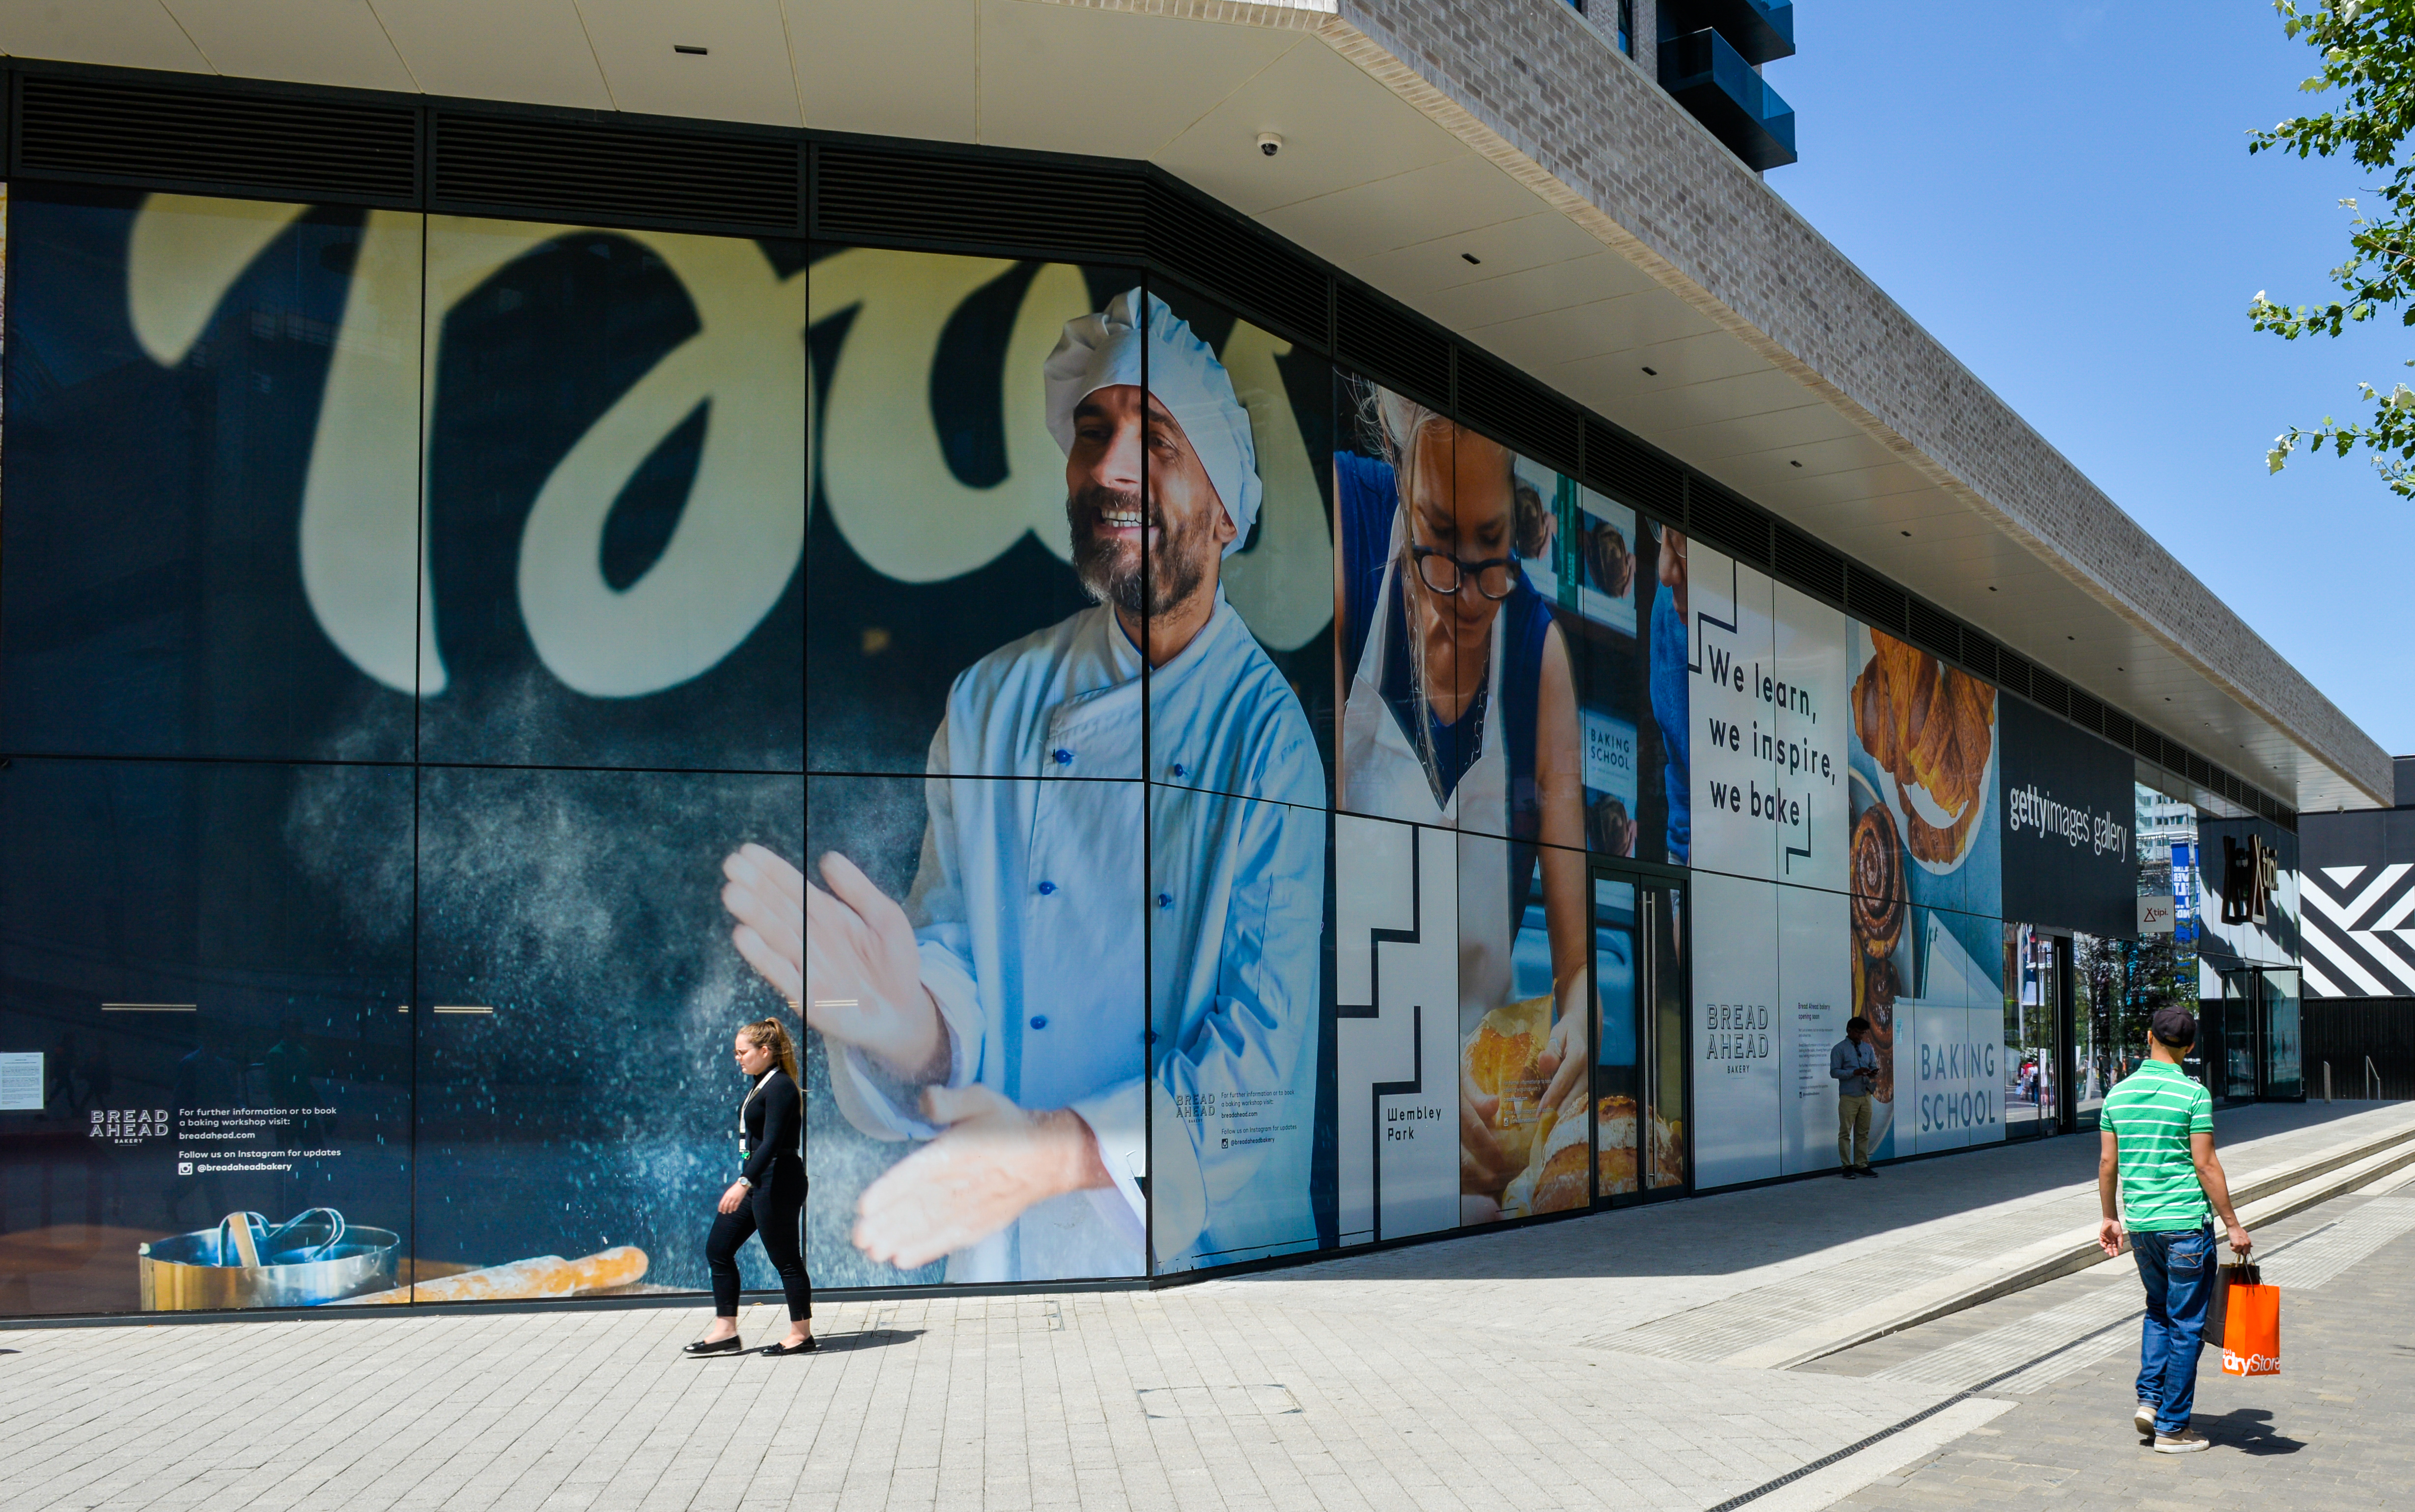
[{"x": 1854, "y": 1061}]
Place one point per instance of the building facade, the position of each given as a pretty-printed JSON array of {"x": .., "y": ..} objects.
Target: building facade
[{"x": 1275, "y": 629}]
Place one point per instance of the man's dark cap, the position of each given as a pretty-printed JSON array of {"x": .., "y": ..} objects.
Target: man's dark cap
[{"x": 2174, "y": 1026}]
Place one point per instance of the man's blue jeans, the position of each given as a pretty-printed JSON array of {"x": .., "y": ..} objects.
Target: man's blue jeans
[{"x": 2178, "y": 1271}]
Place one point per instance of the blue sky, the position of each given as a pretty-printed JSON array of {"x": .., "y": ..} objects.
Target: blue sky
[{"x": 2061, "y": 192}]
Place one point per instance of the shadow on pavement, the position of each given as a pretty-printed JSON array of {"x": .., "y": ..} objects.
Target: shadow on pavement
[
  {"x": 1737, "y": 1230},
  {"x": 868, "y": 1338},
  {"x": 2248, "y": 1429}
]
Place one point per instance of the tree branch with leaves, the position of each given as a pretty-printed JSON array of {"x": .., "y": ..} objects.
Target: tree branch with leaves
[{"x": 2368, "y": 56}]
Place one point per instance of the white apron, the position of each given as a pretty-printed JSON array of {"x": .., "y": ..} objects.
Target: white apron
[{"x": 1383, "y": 774}]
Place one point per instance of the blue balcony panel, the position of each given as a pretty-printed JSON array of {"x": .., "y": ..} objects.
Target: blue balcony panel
[
  {"x": 1759, "y": 31},
  {"x": 1711, "y": 79}
]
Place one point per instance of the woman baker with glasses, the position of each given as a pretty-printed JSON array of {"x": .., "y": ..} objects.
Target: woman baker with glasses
[{"x": 1461, "y": 713}]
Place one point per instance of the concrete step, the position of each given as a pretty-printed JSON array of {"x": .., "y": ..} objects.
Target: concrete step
[{"x": 2260, "y": 1196}]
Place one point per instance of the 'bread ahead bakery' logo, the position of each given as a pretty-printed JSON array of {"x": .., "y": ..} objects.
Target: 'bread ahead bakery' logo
[{"x": 128, "y": 1126}]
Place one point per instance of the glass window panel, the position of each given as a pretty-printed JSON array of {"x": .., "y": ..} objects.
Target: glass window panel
[
  {"x": 1619, "y": 1076},
  {"x": 207, "y": 961},
  {"x": 211, "y": 544},
  {"x": 1237, "y": 952},
  {"x": 1524, "y": 1016},
  {"x": 940, "y": 529},
  {"x": 1235, "y": 411},
  {"x": 1415, "y": 667},
  {"x": 1019, "y": 1015},
  {"x": 1396, "y": 1082},
  {"x": 615, "y": 498},
  {"x": 581, "y": 978}
]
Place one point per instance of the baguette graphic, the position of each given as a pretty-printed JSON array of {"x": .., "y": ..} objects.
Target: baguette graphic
[{"x": 538, "y": 1276}]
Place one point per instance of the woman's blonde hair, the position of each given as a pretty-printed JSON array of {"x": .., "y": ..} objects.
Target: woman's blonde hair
[{"x": 771, "y": 1034}]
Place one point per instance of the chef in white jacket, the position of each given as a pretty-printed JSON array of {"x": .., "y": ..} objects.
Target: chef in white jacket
[{"x": 999, "y": 1015}]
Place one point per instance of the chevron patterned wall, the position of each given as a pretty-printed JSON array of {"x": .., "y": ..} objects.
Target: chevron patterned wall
[{"x": 2359, "y": 929}]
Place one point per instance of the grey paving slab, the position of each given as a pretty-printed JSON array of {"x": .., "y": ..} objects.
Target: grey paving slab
[
  {"x": 2328, "y": 1432},
  {"x": 1448, "y": 1376}
]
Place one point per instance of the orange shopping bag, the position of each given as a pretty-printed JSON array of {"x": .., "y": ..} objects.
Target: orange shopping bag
[{"x": 2249, "y": 1324}]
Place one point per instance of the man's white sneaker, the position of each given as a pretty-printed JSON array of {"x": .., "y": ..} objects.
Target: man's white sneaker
[
  {"x": 2187, "y": 1440},
  {"x": 2144, "y": 1419}
]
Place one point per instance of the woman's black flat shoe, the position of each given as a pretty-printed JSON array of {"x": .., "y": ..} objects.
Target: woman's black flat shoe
[
  {"x": 719, "y": 1346},
  {"x": 810, "y": 1345}
]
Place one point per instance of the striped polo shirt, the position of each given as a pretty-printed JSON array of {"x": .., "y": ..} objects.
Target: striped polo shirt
[{"x": 2154, "y": 1112}]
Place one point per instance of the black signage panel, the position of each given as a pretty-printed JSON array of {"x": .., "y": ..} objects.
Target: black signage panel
[{"x": 2069, "y": 853}]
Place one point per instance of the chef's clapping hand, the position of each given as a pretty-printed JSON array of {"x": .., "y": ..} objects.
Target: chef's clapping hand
[
  {"x": 851, "y": 943},
  {"x": 993, "y": 1162}
]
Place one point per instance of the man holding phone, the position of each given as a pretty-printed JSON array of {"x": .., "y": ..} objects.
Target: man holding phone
[{"x": 2158, "y": 1158}]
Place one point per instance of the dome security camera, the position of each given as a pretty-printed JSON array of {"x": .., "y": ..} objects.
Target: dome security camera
[{"x": 1270, "y": 143}]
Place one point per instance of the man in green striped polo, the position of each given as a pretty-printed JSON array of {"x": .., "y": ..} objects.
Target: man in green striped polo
[{"x": 2158, "y": 1148}]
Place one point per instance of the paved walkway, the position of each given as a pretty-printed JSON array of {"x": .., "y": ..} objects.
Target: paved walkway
[
  {"x": 2329, "y": 1433},
  {"x": 1548, "y": 1368}
]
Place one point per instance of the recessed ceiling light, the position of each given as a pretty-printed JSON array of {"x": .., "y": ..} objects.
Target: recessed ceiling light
[
  {"x": 1471, "y": 259},
  {"x": 1790, "y": 462},
  {"x": 1906, "y": 534},
  {"x": 2071, "y": 637},
  {"x": 691, "y": 51},
  {"x": 1652, "y": 372}
]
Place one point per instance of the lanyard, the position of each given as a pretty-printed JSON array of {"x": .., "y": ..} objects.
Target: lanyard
[{"x": 744, "y": 1153}]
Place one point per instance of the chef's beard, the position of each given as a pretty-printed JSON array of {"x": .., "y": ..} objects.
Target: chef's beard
[{"x": 1113, "y": 575}]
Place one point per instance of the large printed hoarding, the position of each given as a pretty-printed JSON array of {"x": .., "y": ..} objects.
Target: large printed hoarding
[
  {"x": 1078, "y": 1007},
  {"x": 298, "y": 495},
  {"x": 1492, "y": 726},
  {"x": 1167, "y": 813},
  {"x": 1770, "y": 816},
  {"x": 1928, "y": 935}
]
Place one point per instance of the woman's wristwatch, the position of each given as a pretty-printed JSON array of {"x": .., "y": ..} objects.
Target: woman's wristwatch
[{"x": 747, "y": 1183}]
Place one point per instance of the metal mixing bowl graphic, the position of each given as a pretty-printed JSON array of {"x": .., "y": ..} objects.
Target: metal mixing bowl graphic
[{"x": 311, "y": 1258}]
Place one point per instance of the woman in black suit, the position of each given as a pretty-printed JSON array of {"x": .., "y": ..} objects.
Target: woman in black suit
[{"x": 769, "y": 1196}]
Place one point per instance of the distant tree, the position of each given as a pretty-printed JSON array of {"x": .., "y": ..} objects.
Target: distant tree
[{"x": 2368, "y": 54}]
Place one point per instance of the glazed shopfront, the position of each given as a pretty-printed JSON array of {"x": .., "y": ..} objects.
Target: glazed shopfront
[{"x": 1112, "y": 679}]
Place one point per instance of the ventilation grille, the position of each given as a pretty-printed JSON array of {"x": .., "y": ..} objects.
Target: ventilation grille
[
  {"x": 2229, "y": 785},
  {"x": 895, "y": 198},
  {"x": 2200, "y": 770},
  {"x": 2120, "y": 730},
  {"x": 298, "y": 149},
  {"x": 2012, "y": 672},
  {"x": 1936, "y": 630},
  {"x": 1390, "y": 348},
  {"x": 1810, "y": 565},
  {"x": 1875, "y": 601},
  {"x": 566, "y": 170},
  {"x": 1619, "y": 468},
  {"x": 1510, "y": 408},
  {"x": 2147, "y": 743},
  {"x": 1979, "y": 653},
  {"x": 1719, "y": 517},
  {"x": 1220, "y": 257},
  {"x": 2049, "y": 692},
  {"x": 2087, "y": 711}
]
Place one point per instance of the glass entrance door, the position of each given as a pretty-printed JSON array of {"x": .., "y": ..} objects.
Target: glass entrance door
[
  {"x": 2033, "y": 1012},
  {"x": 2284, "y": 1057},
  {"x": 1639, "y": 1080},
  {"x": 2240, "y": 1012}
]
